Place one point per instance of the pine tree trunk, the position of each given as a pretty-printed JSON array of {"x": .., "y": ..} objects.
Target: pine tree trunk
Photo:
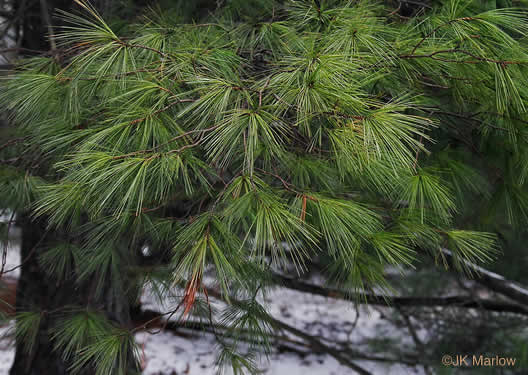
[
  {"x": 38, "y": 291},
  {"x": 33, "y": 27}
]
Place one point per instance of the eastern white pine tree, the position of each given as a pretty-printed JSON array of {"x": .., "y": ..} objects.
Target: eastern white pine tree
[{"x": 273, "y": 137}]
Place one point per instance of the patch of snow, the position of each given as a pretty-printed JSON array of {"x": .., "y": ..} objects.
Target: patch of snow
[
  {"x": 13, "y": 258},
  {"x": 330, "y": 319},
  {"x": 7, "y": 354}
]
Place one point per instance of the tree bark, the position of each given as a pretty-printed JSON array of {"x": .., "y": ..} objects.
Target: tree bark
[
  {"x": 32, "y": 27},
  {"x": 37, "y": 291},
  {"x": 35, "y": 20}
]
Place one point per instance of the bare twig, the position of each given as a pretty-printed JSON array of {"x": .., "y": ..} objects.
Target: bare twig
[
  {"x": 418, "y": 343},
  {"x": 6, "y": 244},
  {"x": 461, "y": 51},
  {"x": 135, "y": 153},
  {"x": 315, "y": 343},
  {"x": 12, "y": 142},
  {"x": 31, "y": 252},
  {"x": 438, "y": 28}
]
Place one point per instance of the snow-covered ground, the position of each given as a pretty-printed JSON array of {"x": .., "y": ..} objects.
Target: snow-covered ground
[
  {"x": 166, "y": 353},
  {"x": 191, "y": 352}
]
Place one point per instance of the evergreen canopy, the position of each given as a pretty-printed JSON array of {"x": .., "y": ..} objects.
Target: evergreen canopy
[{"x": 274, "y": 137}]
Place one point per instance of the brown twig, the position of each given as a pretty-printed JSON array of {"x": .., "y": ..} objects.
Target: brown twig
[
  {"x": 438, "y": 28},
  {"x": 33, "y": 249},
  {"x": 457, "y": 50},
  {"x": 12, "y": 142},
  {"x": 135, "y": 153}
]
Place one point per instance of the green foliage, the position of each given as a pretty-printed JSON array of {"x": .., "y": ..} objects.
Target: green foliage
[
  {"x": 77, "y": 330},
  {"x": 208, "y": 240},
  {"x": 424, "y": 194},
  {"x": 343, "y": 224},
  {"x": 109, "y": 353},
  {"x": 271, "y": 134},
  {"x": 476, "y": 247},
  {"x": 59, "y": 261},
  {"x": 246, "y": 319},
  {"x": 27, "y": 329},
  {"x": 270, "y": 228}
]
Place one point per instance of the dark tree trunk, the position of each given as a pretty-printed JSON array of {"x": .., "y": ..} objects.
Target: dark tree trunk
[
  {"x": 32, "y": 22},
  {"x": 33, "y": 16},
  {"x": 37, "y": 291}
]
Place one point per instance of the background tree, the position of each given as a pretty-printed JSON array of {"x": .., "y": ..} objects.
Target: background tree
[{"x": 337, "y": 136}]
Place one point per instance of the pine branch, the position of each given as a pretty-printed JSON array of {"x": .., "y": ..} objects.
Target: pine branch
[
  {"x": 12, "y": 142},
  {"x": 340, "y": 355},
  {"x": 457, "y": 50},
  {"x": 202, "y": 131},
  {"x": 162, "y": 54},
  {"x": 438, "y": 28},
  {"x": 295, "y": 133}
]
